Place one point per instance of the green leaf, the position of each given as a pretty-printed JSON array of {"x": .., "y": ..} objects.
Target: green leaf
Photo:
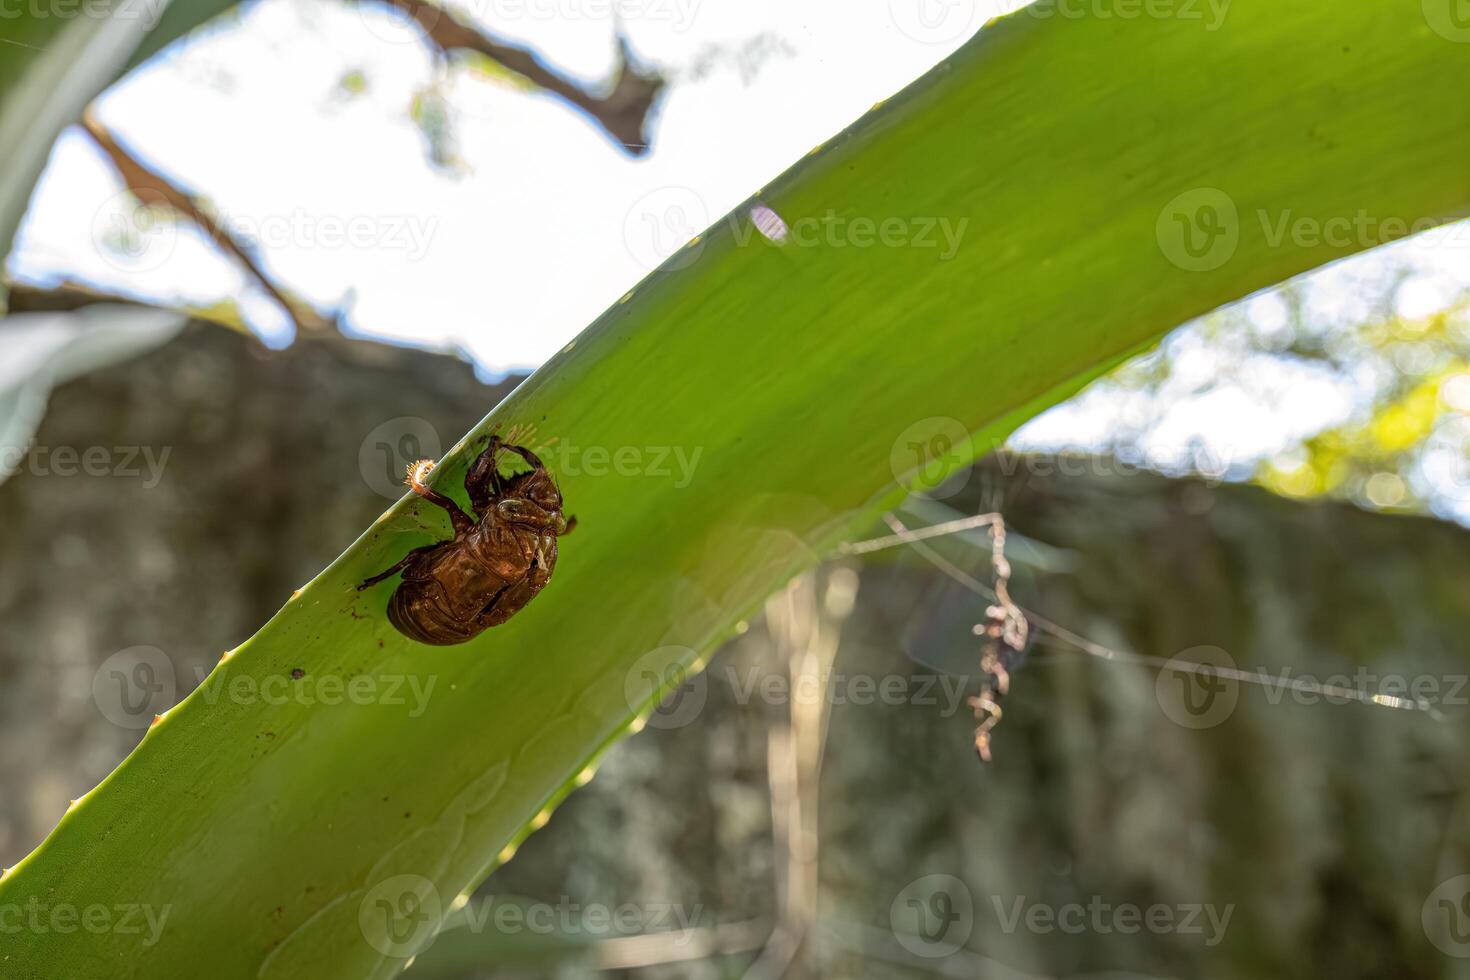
[
  {"x": 178, "y": 17},
  {"x": 43, "y": 350},
  {"x": 301, "y": 839},
  {"x": 54, "y": 59}
]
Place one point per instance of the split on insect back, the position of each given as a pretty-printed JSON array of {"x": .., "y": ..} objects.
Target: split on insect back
[{"x": 501, "y": 555}]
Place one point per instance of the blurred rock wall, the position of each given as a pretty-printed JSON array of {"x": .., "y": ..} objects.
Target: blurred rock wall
[{"x": 1265, "y": 831}]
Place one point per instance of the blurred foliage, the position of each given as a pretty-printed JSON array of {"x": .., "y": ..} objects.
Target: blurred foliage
[
  {"x": 1410, "y": 448},
  {"x": 1397, "y": 436}
]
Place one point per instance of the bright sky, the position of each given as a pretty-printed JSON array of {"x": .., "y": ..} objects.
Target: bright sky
[{"x": 547, "y": 223}]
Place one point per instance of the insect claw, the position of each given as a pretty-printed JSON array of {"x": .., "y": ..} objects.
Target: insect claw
[{"x": 414, "y": 479}]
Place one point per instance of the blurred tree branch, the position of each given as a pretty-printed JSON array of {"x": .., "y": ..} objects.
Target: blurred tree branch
[
  {"x": 64, "y": 297},
  {"x": 71, "y": 294},
  {"x": 622, "y": 111},
  {"x": 152, "y": 188}
]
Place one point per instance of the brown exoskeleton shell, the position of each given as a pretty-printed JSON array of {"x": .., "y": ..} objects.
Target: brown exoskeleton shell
[{"x": 492, "y": 567}]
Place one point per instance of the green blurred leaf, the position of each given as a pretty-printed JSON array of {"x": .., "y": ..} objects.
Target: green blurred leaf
[{"x": 54, "y": 59}]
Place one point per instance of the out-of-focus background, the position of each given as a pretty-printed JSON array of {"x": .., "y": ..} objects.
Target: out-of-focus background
[{"x": 1278, "y": 489}]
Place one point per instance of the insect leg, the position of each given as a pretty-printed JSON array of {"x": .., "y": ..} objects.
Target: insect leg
[
  {"x": 483, "y": 481},
  {"x": 397, "y": 567},
  {"x": 511, "y": 600},
  {"x": 527, "y": 455},
  {"x": 416, "y": 473}
]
